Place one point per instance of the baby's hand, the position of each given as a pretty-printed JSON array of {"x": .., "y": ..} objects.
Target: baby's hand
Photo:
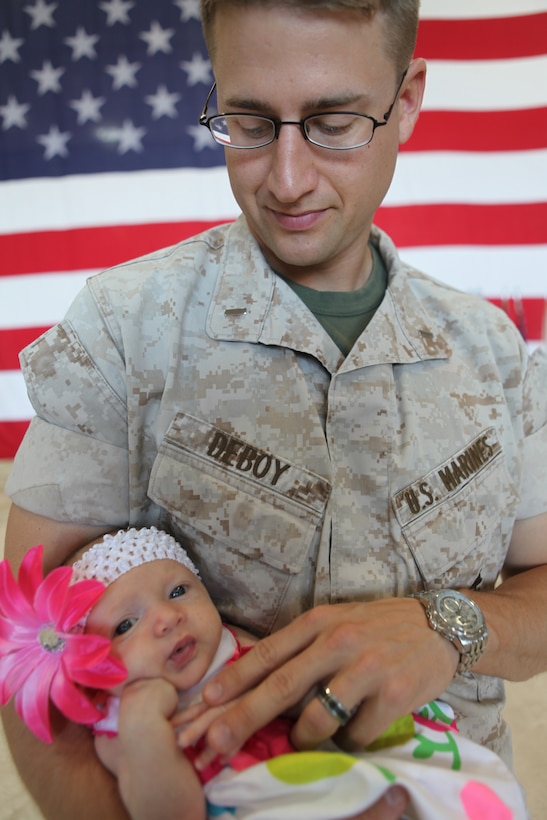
[{"x": 144, "y": 699}]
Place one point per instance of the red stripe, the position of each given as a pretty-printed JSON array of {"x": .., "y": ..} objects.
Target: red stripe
[
  {"x": 476, "y": 39},
  {"x": 523, "y": 130},
  {"x": 413, "y": 225},
  {"x": 11, "y": 433},
  {"x": 424, "y": 225},
  {"x": 12, "y": 341},
  {"x": 85, "y": 248},
  {"x": 528, "y": 315}
]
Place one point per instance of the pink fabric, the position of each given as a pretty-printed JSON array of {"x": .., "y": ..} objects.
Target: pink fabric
[
  {"x": 482, "y": 803},
  {"x": 270, "y": 741}
]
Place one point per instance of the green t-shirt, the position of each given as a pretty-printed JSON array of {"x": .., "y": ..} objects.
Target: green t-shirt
[{"x": 345, "y": 315}]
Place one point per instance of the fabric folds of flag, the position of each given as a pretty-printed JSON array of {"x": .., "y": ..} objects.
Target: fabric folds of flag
[{"x": 102, "y": 159}]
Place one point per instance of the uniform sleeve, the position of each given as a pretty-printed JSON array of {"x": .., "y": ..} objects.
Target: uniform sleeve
[
  {"x": 534, "y": 455},
  {"x": 73, "y": 464}
]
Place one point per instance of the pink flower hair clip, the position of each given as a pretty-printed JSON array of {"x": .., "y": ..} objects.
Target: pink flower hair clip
[{"x": 44, "y": 654}]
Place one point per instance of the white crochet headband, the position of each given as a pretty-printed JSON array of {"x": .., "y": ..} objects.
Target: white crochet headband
[{"x": 117, "y": 554}]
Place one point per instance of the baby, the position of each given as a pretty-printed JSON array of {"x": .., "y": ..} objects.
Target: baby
[{"x": 166, "y": 630}]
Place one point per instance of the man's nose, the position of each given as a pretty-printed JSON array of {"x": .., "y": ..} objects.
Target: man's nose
[{"x": 293, "y": 170}]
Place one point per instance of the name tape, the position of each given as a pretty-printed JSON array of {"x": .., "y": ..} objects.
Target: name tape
[{"x": 447, "y": 478}]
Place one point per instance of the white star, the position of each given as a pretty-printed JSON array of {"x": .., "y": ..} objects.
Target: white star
[
  {"x": 157, "y": 38},
  {"x": 48, "y": 78},
  {"x": 54, "y": 142},
  {"x": 14, "y": 113},
  {"x": 188, "y": 9},
  {"x": 130, "y": 137},
  {"x": 198, "y": 69},
  {"x": 163, "y": 103},
  {"x": 42, "y": 14},
  {"x": 9, "y": 46},
  {"x": 201, "y": 136},
  {"x": 87, "y": 107},
  {"x": 117, "y": 11},
  {"x": 82, "y": 44},
  {"x": 123, "y": 73}
]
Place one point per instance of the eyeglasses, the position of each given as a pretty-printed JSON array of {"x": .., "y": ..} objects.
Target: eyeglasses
[{"x": 338, "y": 130}]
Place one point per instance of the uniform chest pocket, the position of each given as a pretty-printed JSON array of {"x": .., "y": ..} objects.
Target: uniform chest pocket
[
  {"x": 457, "y": 520},
  {"x": 248, "y": 517}
]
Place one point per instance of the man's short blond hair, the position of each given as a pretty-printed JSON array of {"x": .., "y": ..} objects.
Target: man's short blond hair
[{"x": 400, "y": 16}]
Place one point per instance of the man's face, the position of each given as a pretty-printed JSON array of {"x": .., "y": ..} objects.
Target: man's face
[{"x": 311, "y": 208}]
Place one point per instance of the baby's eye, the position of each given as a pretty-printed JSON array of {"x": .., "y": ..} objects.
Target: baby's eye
[
  {"x": 124, "y": 626},
  {"x": 178, "y": 591}
]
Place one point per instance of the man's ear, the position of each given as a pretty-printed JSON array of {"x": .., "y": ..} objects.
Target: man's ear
[{"x": 410, "y": 98}]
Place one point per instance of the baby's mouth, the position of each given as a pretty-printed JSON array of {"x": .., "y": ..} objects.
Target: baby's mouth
[{"x": 183, "y": 652}]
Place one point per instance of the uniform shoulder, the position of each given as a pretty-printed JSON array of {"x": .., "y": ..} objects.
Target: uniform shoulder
[{"x": 189, "y": 252}]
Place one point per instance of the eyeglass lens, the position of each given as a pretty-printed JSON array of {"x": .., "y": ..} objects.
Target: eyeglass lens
[{"x": 334, "y": 130}]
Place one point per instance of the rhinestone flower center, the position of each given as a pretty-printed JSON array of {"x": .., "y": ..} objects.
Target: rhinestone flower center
[{"x": 50, "y": 640}]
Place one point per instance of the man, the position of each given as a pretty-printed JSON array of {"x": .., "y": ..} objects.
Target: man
[{"x": 327, "y": 430}]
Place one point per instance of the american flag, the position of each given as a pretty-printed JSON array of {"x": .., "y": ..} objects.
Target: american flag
[{"x": 102, "y": 158}]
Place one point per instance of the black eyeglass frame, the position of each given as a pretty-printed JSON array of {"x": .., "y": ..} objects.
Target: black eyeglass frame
[{"x": 206, "y": 121}]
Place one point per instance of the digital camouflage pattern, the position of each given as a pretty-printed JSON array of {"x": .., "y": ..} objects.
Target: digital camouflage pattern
[{"x": 192, "y": 389}]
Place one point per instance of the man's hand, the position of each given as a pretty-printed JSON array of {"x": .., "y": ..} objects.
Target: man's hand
[
  {"x": 192, "y": 723},
  {"x": 380, "y": 656}
]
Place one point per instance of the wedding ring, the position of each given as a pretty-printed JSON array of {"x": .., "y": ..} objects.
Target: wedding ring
[{"x": 333, "y": 706}]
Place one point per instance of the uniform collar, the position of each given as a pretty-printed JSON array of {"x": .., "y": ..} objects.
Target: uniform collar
[{"x": 252, "y": 304}]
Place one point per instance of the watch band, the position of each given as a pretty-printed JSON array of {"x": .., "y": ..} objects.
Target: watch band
[{"x": 470, "y": 658}]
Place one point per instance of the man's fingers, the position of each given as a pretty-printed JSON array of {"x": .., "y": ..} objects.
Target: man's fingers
[
  {"x": 274, "y": 695},
  {"x": 189, "y": 715},
  {"x": 313, "y": 727},
  {"x": 189, "y": 731},
  {"x": 267, "y": 655},
  {"x": 371, "y": 655},
  {"x": 325, "y": 714}
]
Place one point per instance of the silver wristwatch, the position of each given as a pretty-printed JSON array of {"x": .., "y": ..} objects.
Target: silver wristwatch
[{"x": 457, "y": 618}]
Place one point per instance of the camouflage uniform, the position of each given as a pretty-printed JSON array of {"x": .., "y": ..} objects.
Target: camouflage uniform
[{"x": 191, "y": 389}]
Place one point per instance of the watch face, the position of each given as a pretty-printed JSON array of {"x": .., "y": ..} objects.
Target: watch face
[{"x": 459, "y": 613}]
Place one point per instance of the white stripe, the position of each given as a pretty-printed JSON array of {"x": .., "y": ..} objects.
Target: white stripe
[
  {"x": 490, "y": 271},
  {"x": 459, "y": 9},
  {"x": 420, "y": 177},
  {"x": 476, "y": 178},
  {"x": 487, "y": 85},
  {"x": 140, "y": 197},
  {"x": 14, "y": 402},
  {"x": 37, "y": 300}
]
